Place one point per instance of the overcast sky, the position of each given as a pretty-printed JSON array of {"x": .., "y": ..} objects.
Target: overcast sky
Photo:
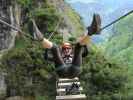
[
  {"x": 102, "y": 1},
  {"x": 96, "y": 0},
  {"x": 85, "y": 1}
]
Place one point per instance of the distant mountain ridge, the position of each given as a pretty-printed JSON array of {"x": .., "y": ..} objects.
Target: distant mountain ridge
[
  {"x": 108, "y": 14},
  {"x": 86, "y": 10}
]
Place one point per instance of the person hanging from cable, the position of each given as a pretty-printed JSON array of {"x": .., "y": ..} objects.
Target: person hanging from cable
[{"x": 68, "y": 60}]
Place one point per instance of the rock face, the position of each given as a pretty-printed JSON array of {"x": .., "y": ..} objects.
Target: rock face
[
  {"x": 2, "y": 86},
  {"x": 5, "y": 36},
  {"x": 7, "y": 14},
  {"x": 10, "y": 13}
]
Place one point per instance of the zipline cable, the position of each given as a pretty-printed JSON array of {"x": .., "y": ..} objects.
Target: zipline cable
[
  {"x": 55, "y": 29},
  {"x": 19, "y": 30},
  {"x": 117, "y": 20},
  {"x": 15, "y": 28},
  {"x": 29, "y": 36}
]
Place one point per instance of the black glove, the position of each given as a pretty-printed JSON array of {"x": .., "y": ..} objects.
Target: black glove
[{"x": 85, "y": 51}]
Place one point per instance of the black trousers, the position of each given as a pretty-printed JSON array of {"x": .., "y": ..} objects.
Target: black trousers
[{"x": 67, "y": 71}]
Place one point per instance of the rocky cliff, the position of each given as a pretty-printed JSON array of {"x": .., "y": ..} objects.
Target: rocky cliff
[
  {"x": 11, "y": 11},
  {"x": 47, "y": 14},
  {"x": 8, "y": 13},
  {"x": 5, "y": 36}
]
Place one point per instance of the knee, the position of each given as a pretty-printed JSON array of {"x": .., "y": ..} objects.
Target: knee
[{"x": 75, "y": 71}]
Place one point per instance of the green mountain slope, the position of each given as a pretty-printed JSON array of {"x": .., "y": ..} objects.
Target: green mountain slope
[
  {"x": 120, "y": 48},
  {"x": 120, "y": 44}
]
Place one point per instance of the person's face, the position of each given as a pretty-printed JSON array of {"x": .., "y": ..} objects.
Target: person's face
[{"x": 67, "y": 51}]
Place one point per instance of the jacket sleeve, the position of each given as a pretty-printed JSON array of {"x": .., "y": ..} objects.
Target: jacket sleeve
[
  {"x": 48, "y": 55},
  {"x": 85, "y": 51}
]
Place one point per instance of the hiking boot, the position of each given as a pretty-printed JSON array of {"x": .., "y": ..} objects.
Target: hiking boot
[
  {"x": 95, "y": 25},
  {"x": 37, "y": 34}
]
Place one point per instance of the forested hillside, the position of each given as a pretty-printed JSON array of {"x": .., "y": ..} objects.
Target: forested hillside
[
  {"x": 120, "y": 47},
  {"x": 27, "y": 74},
  {"x": 120, "y": 44}
]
